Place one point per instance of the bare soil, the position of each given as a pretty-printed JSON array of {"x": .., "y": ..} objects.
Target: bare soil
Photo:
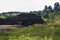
[{"x": 9, "y": 26}]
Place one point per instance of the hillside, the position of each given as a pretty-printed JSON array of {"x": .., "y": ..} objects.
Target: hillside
[
  {"x": 49, "y": 31},
  {"x": 34, "y": 32},
  {"x": 45, "y": 24}
]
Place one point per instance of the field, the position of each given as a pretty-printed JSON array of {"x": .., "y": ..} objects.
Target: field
[
  {"x": 49, "y": 31},
  {"x": 34, "y": 32}
]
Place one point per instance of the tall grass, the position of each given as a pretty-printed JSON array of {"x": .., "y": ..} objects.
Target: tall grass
[{"x": 34, "y": 32}]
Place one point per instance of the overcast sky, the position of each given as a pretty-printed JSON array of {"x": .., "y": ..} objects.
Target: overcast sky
[{"x": 24, "y": 5}]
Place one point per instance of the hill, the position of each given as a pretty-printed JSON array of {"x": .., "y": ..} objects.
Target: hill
[{"x": 48, "y": 31}]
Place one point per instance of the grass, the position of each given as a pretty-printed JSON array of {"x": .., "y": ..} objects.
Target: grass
[
  {"x": 7, "y": 15},
  {"x": 49, "y": 31},
  {"x": 34, "y": 32}
]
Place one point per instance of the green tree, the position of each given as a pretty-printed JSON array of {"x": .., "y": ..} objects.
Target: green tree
[
  {"x": 50, "y": 9},
  {"x": 56, "y": 5}
]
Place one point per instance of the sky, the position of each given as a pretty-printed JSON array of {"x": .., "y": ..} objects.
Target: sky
[{"x": 25, "y": 5}]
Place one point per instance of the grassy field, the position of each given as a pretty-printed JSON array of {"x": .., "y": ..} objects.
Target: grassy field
[
  {"x": 49, "y": 31},
  {"x": 34, "y": 32},
  {"x": 7, "y": 15}
]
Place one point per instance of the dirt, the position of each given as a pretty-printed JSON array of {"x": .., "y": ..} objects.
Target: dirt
[
  {"x": 57, "y": 22},
  {"x": 9, "y": 26}
]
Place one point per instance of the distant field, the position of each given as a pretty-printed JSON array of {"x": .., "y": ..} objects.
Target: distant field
[{"x": 7, "y": 15}]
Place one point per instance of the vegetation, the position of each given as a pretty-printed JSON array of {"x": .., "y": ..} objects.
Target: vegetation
[
  {"x": 34, "y": 32},
  {"x": 49, "y": 31}
]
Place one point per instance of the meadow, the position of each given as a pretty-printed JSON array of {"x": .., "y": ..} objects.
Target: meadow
[
  {"x": 34, "y": 32},
  {"x": 49, "y": 31}
]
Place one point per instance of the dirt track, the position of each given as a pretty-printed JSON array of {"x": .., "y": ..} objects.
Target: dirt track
[{"x": 9, "y": 26}]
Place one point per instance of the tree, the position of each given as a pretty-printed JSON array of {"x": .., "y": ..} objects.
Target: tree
[
  {"x": 56, "y": 5},
  {"x": 50, "y": 9},
  {"x": 4, "y": 14},
  {"x": 39, "y": 13},
  {"x": 45, "y": 7},
  {"x": 31, "y": 12}
]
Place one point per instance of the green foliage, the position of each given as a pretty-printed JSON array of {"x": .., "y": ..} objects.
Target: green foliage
[
  {"x": 48, "y": 31},
  {"x": 8, "y": 15}
]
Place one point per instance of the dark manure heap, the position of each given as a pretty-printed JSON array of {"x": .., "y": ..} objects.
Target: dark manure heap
[{"x": 24, "y": 19}]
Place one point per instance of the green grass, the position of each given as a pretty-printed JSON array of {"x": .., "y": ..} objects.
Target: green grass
[
  {"x": 34, "y": 32},
  {"x": 7, "y": 15},
  {"x": 47, "y": 31},
  {"x": 2, "y": 16}
]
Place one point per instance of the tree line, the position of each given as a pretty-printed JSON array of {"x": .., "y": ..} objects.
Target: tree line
[{"x": 44, "y": 13}]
